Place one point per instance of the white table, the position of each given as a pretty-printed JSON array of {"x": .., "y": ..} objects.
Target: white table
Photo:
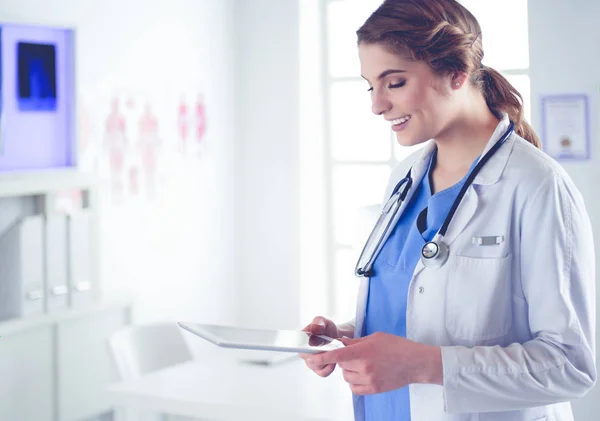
[{"x": 220, "y": 387}]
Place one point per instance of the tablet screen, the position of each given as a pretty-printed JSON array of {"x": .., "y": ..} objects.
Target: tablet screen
[{"x": 262, "y": 339}]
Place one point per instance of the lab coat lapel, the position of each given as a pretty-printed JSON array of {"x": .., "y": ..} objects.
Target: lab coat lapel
[
  {"x": 490, "y": 173},
  {"x": 465, "y": 212}
]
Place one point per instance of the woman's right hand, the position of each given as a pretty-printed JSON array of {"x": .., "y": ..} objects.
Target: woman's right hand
[{"x": 321, "y": 326}]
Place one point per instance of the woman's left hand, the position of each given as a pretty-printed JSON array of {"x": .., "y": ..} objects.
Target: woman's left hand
[{"x": 381, "y": 362}]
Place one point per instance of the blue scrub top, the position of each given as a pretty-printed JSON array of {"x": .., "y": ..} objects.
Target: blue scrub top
[{"x": 392, "y": 272}]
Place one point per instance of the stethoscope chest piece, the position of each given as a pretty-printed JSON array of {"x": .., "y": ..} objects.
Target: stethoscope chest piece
[{"x": 434, "y": 254}]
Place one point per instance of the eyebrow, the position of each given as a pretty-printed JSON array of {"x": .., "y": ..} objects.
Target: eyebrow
[{"x": 386, "y": 73}]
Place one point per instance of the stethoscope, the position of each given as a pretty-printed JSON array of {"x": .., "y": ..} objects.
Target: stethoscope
[{"x": 435, "y": 252}]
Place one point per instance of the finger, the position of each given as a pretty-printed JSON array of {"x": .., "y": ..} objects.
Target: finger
[
  {"x": 337, "y": 356},
  {"x": 354, "y": 378},
  {"x": 316, "y": 340},
  {"x": 350, "y": 341},
  {"x": 317, "y": 368},
  {"x": 325, "y": 371},
  {"x": 360, "y": 389},
  {"x": 353, "y": 365},
  {"x": 310, "y": 363},
  {"x": 318, "y": 326},
  {"x": 318, "y": 321}
]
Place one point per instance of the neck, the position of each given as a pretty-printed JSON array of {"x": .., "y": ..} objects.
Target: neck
[{"x": 466, "y": 138}]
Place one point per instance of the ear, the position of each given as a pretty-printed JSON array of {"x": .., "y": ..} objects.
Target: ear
[{"x": 458, "y": 80}]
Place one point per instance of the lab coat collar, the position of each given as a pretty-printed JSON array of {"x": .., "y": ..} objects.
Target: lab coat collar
[{"x": 491, "y": 171}]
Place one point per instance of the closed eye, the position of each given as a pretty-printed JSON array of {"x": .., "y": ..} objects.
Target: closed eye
[
  {"x": 397, "y": 85},
  {"x": 391, "y": 86}
]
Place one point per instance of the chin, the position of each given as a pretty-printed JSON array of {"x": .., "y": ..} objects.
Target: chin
[{"x": 404, "y": 139}]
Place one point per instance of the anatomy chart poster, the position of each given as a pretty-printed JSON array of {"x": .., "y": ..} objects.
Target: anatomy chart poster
[{"x": 135, "y": 139}]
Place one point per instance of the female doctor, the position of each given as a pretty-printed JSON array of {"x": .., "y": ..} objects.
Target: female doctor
[{"x": 478, "y": 300}]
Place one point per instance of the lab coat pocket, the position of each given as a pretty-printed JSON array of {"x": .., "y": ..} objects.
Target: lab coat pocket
[{"x": 479, "y": 298}]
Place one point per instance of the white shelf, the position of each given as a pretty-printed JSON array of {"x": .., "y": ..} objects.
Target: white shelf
[
  {"x": 15, "y": 326},
  {"x": 42, "y": 182}
]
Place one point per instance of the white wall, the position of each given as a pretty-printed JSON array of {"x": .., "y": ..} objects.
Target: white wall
[
  {"x": 175, "y": 254},
  {"x": 268, "y": 285},
  {"x": 563, "y": 37}
]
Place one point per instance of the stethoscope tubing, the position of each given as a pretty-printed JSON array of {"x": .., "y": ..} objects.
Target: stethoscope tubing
[{"x": 439, "y": 258}]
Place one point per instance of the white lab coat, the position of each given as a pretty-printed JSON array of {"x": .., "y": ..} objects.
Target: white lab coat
[{"x": 515, "y": 321}]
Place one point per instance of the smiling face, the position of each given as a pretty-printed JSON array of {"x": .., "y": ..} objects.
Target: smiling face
[{"x": 417, "y": 104}]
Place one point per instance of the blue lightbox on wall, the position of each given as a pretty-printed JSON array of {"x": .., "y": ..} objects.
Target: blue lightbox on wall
[
  {"x": 36, "y": 76},
  {"x": 37, "y": 98}
]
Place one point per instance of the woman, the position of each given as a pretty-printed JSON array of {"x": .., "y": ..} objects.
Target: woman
[{"x": 502, "y": 326}]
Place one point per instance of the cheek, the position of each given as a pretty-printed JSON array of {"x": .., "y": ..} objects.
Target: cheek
[
  {"x": 435, "y": 104},
  {"x": 421, "y": 100},
  {"x": 415, "y": 98}
]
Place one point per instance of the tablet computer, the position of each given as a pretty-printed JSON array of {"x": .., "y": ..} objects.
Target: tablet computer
[{"x": 262, "y": 339}]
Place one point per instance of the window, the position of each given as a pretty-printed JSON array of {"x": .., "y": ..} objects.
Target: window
[
  {"x": 506, "y": 50},
  {"x": 360, "y": 144},
  {"x": 359, "y": 148}
]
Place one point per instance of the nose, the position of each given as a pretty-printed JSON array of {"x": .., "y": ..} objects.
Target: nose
[{"x": 380, "y": 104}]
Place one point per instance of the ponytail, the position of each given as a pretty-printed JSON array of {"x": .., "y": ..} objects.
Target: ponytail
[{"x": 501, "y": 96}]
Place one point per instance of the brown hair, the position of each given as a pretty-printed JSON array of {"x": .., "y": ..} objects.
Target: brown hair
[{"x": 445, "y": 35}]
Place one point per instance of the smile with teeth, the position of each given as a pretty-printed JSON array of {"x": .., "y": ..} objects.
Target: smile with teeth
[{"x": 400, "y": 120}]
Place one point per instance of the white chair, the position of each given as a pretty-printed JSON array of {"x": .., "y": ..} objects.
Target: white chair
[{"x": 142, "y": 349}]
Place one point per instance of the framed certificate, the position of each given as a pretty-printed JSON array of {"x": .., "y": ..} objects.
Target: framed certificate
[{"x": 565, "y": 127}]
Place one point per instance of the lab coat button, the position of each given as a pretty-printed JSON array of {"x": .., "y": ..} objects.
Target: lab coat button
[{"x": 421, "y": 290}]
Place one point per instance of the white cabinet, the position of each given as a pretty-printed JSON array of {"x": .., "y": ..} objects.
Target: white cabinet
[
  {"x": 85, "y": 365},
  {"x": 57, "y": 367},
  {"x": 55, "y": 363},
  {"x": 26, "y": 375}
]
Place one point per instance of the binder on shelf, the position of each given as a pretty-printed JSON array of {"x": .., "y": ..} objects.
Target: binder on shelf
[
  {"x": 57, "y": 288},
  {"x": 22, "y": 269},
  {"x": 81, "y": 279}
]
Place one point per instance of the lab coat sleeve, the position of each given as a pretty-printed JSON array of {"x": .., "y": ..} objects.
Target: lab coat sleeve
[
  {"x": 558, "y": 276},
  {"x": 351, "y": 323}
]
